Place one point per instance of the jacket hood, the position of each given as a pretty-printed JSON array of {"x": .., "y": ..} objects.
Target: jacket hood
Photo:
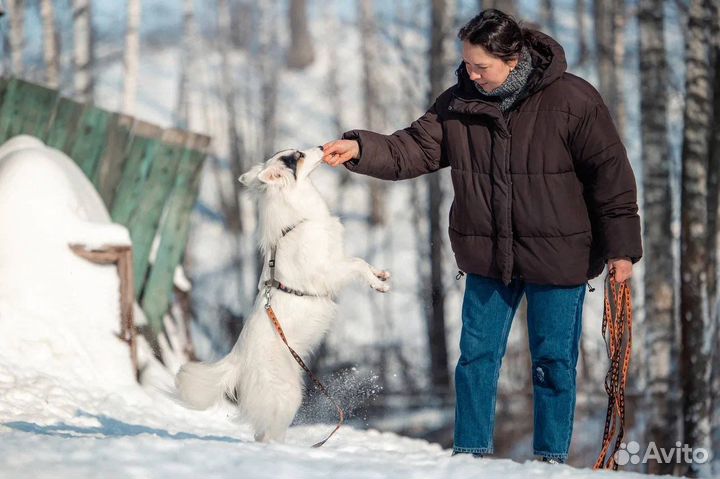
[{"x": 548, "y": 61}]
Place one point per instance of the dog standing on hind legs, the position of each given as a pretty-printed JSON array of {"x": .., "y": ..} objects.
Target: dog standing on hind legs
[{"x": 310, "y": 268}]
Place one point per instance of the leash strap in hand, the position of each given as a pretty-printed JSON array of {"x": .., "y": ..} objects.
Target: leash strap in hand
[{"x": 617, "y": 334}]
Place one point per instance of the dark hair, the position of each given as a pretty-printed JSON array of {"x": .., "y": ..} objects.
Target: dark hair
[{"x": 497, "y": 32}]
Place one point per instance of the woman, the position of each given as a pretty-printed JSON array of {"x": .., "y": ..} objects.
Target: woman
[{"x": 544, "y": 198}]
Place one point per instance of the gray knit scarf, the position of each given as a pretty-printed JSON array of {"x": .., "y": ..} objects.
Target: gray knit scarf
[{"x": 509, "y": 90}]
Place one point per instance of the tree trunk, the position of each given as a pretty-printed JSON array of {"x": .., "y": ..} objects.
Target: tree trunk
[
  {"x": 695, "y": 353},
  {"x": 440, "y": 48},
  {"x": 82, "y": 50},
  {"x": 301, "y": 53},
  {"x": 16, "y": 14},
  {"x": 51, "y": 53},
  {"x": 236, "y": 146},
  {"x": 583, "y": 50},
  {"x": 714, "y": 160},
  {"x": 330, "y": 19},
  {"x": 182, "y": 105},
  {"x": 369, "y": 52},
  {"x": 713, "y": 223},
  {"x": 132, "y": 56},
  {"x": 507, "y": 6},
  {"x": 548, "y": 17},
  {"x": 604, "y": 36},
  {"x": 268, "y": 66},
  {"x": 662, "y": 403},
  {"x": 619, "y": 18}
]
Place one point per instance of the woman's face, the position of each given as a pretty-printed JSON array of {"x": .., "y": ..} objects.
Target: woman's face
[{"x": 484, "y": 69}]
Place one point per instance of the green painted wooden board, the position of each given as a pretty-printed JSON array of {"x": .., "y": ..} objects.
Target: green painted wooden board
[
  {"x": 109, "y": 172},
  {"x": 26, "y": 108},
  {"x": 143, "y": 223},
  {"x": 61, "y": 130},
  {"x": 90, "y": 139},
  {"x": 173, "y": 238},
  {"x": 132, "y": 181}
]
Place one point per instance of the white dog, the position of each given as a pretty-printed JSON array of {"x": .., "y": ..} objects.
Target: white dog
[{"x": 310, "y": 268}]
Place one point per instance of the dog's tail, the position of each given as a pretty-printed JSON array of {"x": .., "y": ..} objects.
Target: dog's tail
[{"x": 200, "y": 385}]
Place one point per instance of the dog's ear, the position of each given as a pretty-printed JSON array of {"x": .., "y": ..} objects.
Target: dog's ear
[
  {"x": 251, "y": 176},
  {"x": 274, "y": 174}
]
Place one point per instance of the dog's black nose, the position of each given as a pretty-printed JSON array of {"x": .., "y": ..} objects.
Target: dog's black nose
[{"x": 321, "y": 147}]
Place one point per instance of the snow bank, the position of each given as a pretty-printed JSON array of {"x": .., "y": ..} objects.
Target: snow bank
[{"x": 58, "y": 312}]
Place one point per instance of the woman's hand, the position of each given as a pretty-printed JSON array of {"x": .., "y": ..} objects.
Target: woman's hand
[
  {"x": 337, "y": 152},
  {"x": 622, "y": 267}
]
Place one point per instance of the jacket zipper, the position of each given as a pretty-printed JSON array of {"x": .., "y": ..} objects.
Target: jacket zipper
[{"x": 460, "y": 274}]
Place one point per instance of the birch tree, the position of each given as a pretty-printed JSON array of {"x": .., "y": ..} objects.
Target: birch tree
[
  {"x": 51, "y": 51},
  {"x": 713, "y": 224},
  {"x": 695, "y": 324},
  {"x": 369, "y": 52},
  {"x": 441, "y": 60},
  {"x": 603, "y": 13},
  {"x": 661, "y": 400},
  {"x": 16, "y": 14},
  {"x": 82, "y": 50},
  {"x": 583, "y": 50},
  {"x": 267, "y": 65},
  {"x": 619, "y": 19},
  {"x": 300, "y": 52},
  {"x": 182, "y": 105},
  {"x": 132, "y": 56},
  {"x": 228, "y": 93}
]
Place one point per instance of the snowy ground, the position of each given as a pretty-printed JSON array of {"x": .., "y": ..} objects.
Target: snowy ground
[{"x": 52, "y": 427}]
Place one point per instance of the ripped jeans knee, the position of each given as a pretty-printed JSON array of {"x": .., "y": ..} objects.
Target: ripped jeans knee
[{"x": 553, "y": 375}]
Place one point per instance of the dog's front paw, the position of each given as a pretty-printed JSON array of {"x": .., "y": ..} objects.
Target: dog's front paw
[
  {"x": 382, "y": 275},
  {"x": 380, "y": 286}
]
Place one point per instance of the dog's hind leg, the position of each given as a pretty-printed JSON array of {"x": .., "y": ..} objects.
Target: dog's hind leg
[{"x": 270, "y": 407}]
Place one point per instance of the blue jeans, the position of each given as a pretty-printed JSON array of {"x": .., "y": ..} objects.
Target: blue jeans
[{"x": 554, "y": 319}]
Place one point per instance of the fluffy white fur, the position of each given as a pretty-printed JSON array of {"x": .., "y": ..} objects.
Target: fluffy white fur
[{"x": 259, "y": 372}]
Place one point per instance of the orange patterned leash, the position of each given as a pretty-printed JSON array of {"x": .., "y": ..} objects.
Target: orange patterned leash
[
  {"x": 316, "y": 381},
  {"x": 617, "y": 322}
]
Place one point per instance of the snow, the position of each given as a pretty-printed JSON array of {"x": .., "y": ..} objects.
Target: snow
[
  {"x": 69, "y": 402},
  {"x": 52, "y": 428}
]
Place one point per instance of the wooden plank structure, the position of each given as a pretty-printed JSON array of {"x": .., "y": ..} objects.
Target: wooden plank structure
[
  {"x": 147, "y": 176},
  {"x": 121, "y": 256}
]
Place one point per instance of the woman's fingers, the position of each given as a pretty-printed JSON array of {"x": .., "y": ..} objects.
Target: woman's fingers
[
  {"x": 338, "y": 152},
  {"x": 336, "y": 159},
  {"x": 346, "y": 156},
  {"x": 330, "y": 150},
  {"x": 333, "y": 152}
]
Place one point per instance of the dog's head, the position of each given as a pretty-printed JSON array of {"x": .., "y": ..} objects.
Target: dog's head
[{"x": 284, "y": 169}]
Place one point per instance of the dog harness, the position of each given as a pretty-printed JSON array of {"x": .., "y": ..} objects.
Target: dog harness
[{"x": 274, "y": 283}]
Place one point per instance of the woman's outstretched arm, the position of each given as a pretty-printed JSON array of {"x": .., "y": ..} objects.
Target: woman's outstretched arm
[{"x": 406, "y": 153}]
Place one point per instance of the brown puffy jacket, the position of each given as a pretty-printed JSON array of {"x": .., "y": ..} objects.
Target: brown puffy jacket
[{"x": 544, "y": 192}]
